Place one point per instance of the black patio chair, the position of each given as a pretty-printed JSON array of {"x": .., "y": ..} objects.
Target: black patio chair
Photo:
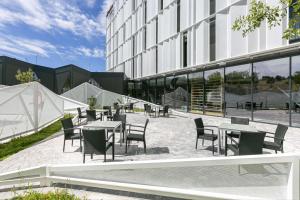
[
  {"x": 80, "y": 115},
  {"x": 237, "y": 120},
  {"x": 250, "y": 143},
  {"x": 164, "y": 111},
  {"x": 116, "y": 105},
  {"x": 137, "y": 133},
  {"x": 121, "y": 118},
  {"x": 202, "y": 133},
  {"x": 92, "y": 115},
  {"x": 70, "y": 132},
  {"x": 108, "y": 113},
  {"x": 129, "y": 107},
  {"x": 96, "y": 142},
  {"x": 150, "y": 111},
  {"x": 145, "y": 108},
  {"x": 278, "y": 136}
]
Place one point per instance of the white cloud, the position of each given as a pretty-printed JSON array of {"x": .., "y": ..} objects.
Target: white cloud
[
  {"x": 88, "y": 52},
  {"x": 30, "y": 47},
  {"x": 51, "y": 15},
  {"x": 90, "y": 3},
  {"x": 102, "y": 16}
]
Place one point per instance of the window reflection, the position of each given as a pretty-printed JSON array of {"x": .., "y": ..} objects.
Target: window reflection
[
  {"x": 271, "y": 91},
  {"x": 238, "y": 91},
  {"x": 295, "y": 108},
  {"x": 196, "y": 90},
  {"x": 213, "y": 97},
  {"x": 152, "y": 91},
  {"x": 160, "y": 91}
]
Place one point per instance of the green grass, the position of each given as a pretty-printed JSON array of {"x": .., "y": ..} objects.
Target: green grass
[
  {"x": 23, "y": 142},
  {"x": 54, "y": 195}
]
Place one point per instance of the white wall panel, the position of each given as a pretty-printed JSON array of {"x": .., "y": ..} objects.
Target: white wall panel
[
  {"x": 221, "y": 35},
  {"x": 202, "y": 41},
  {"x": 152, "y": 9},
  {"x": 151, "y": 34}
]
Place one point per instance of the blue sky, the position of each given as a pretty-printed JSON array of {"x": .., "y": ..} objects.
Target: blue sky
[{"x": 55, "y": 32}]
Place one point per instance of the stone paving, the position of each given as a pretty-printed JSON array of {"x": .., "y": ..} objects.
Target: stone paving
[{"x": 167, "y": 138}]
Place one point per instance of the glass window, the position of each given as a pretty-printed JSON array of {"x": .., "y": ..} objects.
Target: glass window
[
  {"x": 138, "y": 90},
  {"x": 295, "y": 109},
  {"x": 238, "y": 91},
  {"x": 152, "y": 91},
  {"x": 169, "y": 97},
  {"x": 181, "y": 93},
  {"x": 131, "y": 89},
  {"x": 196, "y": 92},
  {"x": 145, "y": 90},
  {"x": 214, "y": 81},
  {"x": 271, "y": 91},
  {"x": 160, "y": 91},
  {"x": 178, "y": 16}
]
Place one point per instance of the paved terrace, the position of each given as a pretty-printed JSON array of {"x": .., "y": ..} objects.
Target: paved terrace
[{"x": 167, "y": 138}]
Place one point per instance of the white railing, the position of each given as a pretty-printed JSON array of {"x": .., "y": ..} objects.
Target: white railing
[{"x": 77, "y": 175}]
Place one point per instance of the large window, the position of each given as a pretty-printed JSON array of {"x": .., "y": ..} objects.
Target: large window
[
  {"x": 196, "y": 92},
  {"x": 214, "y": 81},
  {"x": 212, "y": 39},
  {"x": 295, "y": 102},
  {"x": 271, "y": 91},
  {"x": 160, "y": 91},
  {"x": 238, "y": 91},
  {"x": 181, "y": 93},
  {"x": 152, "y": 91},
  {"x": 184, "y": 49},
  {"x": 169, "y": 97}
]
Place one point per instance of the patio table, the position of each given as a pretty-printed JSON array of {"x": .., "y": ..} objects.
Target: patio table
[
  {"x": 233, "y": 127},
  {"x": 108, "y": 125}
]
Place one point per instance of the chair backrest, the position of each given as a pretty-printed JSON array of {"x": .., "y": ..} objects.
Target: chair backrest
[
  {"x": 94, "y": 141},
  {"x": 146, "y": 124},
  {"x": 116, "y": 105},
  {"x": 121, "y": 118},
  {"x": 131, "y": 106},
  {"x": 280, "y": 133},
  {"x": 251, "y": 143},
  {"x": 240, "y": 120},
  {"x": 108, "y": 108},
  {"x": 91, "y": 115},
  {"x": 199, "y": 126},
  {"x": 148, "y": 109},
  {"x": 68, "y": 126},
  {"x": 166, "y": 109},
  {"x": 79, "y": 112}
]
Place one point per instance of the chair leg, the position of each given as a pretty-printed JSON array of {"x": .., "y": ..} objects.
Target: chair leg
[
  {"x": 144, "y": 146},
  {"x": 83, "y": 157},
  {"x": 196, "y": 142},
  {"x": 64, "y": 145},
  {"x": 276, "y": 151},
  {"x": 104, "y": 156},
  {"x": 72, "y": 142},
  {"x": 91, "y": 155},
  {"x": 213, "y": 147},
  {"x": 113, "y": 152},
  {"x": 126, "y": 146},
  {"x": 203, "y": 142}
]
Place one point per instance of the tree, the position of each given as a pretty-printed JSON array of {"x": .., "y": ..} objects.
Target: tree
[
  {"x": 273, "y": 15},
  {"x": 25, "y": 77}
]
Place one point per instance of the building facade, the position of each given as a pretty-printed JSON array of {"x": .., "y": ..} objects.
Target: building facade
[
  {"x": 61, "y": 79},
  {"x": 184, "y": 53}
]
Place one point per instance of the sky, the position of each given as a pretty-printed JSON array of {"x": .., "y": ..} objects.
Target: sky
[{"x": 54, "y": 33}]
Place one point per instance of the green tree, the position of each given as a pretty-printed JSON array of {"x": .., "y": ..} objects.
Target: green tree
[
  {"x": 25, "y": 77},
  {"x": 273, "y": 15}
]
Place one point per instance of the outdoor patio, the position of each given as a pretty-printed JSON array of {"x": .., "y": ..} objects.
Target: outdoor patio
[{"x": 167, "y": 138}]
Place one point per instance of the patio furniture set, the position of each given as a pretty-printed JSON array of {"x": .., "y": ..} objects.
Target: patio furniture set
[
  {"x": 156, "y": 111},
  {"x": 244, "y": 139},
  {"x": 98, "y": 133}
]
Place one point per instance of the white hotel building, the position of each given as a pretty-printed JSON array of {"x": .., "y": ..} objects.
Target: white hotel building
[{"x": 184, "y": 53}]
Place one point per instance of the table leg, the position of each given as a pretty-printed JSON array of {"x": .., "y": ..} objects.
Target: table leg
[
  {"x": 219, "y": 141},
  {"x": 121, "y": 138},
  {"x": 113, "y": 149}
]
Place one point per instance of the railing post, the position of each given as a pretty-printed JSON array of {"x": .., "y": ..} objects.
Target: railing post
[
  {"x": 294, "y": 181},
  {"x": 45, "y": 174}
]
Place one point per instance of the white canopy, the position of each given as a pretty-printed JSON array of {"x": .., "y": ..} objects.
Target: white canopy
[
  {"x": 84, "y": 91},
  {"x": 26, "y": 108}
]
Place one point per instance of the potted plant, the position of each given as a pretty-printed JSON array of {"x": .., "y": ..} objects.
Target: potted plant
[{"x": 92, "y": 101}]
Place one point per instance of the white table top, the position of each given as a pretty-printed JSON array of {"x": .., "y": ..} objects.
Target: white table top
[
  {"x": 237, "y": 127},
  {"x": 103, "y": 124}
]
